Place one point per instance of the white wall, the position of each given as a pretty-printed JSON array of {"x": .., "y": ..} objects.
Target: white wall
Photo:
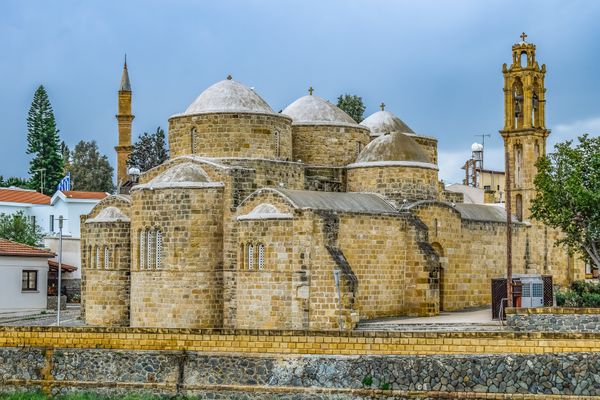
[
  {"x": 11, "y": 296},
  {"x": 71, "y": 254}
]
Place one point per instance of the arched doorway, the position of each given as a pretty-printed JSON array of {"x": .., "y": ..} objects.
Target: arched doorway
[{"x": 442, "y": 287}]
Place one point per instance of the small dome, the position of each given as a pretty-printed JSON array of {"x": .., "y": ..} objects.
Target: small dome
[
  {"x": 109, "y": 214},
  {"x": 228, "y": 96},
  {"x": 476, "y": 147},
  {"x": 313, "y": 110},
  {"x": 185, "y": 172},
  {"x": 385, "y": 122},
  {"x": 393, "y": 147}
]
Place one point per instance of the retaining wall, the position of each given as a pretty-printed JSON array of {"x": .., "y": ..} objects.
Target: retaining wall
[
  {"x": 553, "y": 319},
  {"x": 301, "y": 365}
]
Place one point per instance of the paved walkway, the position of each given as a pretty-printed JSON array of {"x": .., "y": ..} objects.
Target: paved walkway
[
  {"x": 469, "y": 320},
  {"x": 68, "y": 317}
]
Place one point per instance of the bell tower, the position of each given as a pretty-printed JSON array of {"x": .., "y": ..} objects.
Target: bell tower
[
  {"x": 524, "y": 130},
  {"x": 124, "y": 120}
]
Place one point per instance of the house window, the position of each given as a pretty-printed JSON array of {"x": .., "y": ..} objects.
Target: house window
[
  {"x": 250, "y": 256},
  {"x": 261, "y": 256},
  {"x": 193, "y": 140},
  {"x": 29, "y": 281},
  {"x": 158, "y": 248},
  {"x": 142, "y": 249},
  {"x": 51, "y": 223},
  {"x": 106, "y": 256},
  {"x": 150, "y": 249}
]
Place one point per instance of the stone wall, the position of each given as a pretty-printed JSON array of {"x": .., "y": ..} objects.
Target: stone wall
[
  {"x": 185, "y": 290},
  {"x": 231, "y": 135},
  {"x": 328, "y": 145},
  {"x": 325, "y": 179},
  {"x": 296, "y": 365},
  {"x": 556, "y": 319},
  {"x": 428, "y": 144},
  {"x": 396, "y": 183}
]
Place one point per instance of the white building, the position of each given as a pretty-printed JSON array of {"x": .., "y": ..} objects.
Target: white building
[
  {"x": 46, "y": 211},
  {"x": 23, "y": 276}
]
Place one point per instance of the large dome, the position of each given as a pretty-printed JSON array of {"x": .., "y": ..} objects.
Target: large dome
[
  {"x": 228, "y": 96},
  {"x": 393, "y": 147},
  {"x": 313, "y": 110},
  {"x": 385, "y": 122}
]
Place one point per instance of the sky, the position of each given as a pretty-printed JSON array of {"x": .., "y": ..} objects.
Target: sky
[{"x": 435, "y": 64}]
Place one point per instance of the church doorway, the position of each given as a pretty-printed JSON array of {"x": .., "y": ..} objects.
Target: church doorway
[{"x": 442, "y": 271}]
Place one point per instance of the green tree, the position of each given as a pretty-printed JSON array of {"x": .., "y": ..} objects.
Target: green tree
[
  {"x": 20, "y": 228},
  {"x": 90, "y": 171},
  {"x": 149, "y": 151},
  {"x": 65, "y": 152},
  {"x": 568, "y": 195},
  {"x": 353, "y": 106},
  {"x": 14, "y": 181},
  {"x": 46, "y": 167}
]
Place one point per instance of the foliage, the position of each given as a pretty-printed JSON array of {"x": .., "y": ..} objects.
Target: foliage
[
  {"x": 353, "y": 106},
  {"x": 367, "y": 381},
  {"x": 20, "y": 228},
  {"x": 14, "y": 181},
  {"x": 66, "y": 155},
  {"x": 568, "y": 195},
  {"x": 90, "y": 171},
  {"x": 580, "y": 294},
  {"x": 149, "y": 151},
  {"x": 43, "y": 143}
]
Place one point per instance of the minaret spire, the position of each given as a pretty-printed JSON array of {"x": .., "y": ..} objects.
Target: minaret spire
[{"x": 124, "y": 121}]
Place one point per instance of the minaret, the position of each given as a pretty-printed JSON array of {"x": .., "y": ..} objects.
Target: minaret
[
  {"x": 124, "y": 119},
  {"x": 524, "y": 130}
]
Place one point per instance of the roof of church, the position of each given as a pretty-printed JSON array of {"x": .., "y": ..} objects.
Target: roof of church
[
  {"x": 109, "y": 214},
  {"x": 228, "y": 96},
  {"x": 342, "y": 202},
  {"x": 391, "y": 149},
  {"x": 186, "y": 174},
  {"x": 385, "y": 122},
  {"x": 483, "y": 212},
  {"x": 313, "y": 110}
]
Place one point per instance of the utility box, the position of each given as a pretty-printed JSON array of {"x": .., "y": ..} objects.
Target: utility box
[{"x": 528, "y": 291}]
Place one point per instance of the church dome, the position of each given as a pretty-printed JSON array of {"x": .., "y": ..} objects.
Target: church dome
[
  {"x": 109, "y": 214},
  {"x": 393, "y": 147},
  {"x": 228, "y": 96},
  {"x": 180, "y": 173},
  {"x": 385, "y": 122},
  {"x": 313, "y": 110}
]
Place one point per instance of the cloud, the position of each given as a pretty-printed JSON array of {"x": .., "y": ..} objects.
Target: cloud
[
  {"x": 572, "y": 130},
  {"x": 451, "y": 162}
]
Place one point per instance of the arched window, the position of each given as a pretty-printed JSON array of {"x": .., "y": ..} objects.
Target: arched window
[
  {"x": 261, "y": 256},
  {"x": 150, "y": 254},
  {"x": 97, "y": 258},
  {"x": 158, "y": 249},
  {"x": 106, "y": 257},
  {"x": 142, "y": 249},
  {"x": 358, "y": 148},
  {"x": 519, "y": 207},
  {"x": 193, "y": 140},
  {"x": 250, "y": 256},
  {"x": 89, "y": 257},
  {"x": 242, "y": 256},
  {"x": 115, "y": 257},
  {"x": 536, "y": 150},
  {"x": 277, "y": 144},
  {"x": 518, "y": 165}
]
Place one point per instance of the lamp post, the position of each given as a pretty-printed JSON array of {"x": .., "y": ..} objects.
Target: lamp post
[{"x": 60, "y": 228}]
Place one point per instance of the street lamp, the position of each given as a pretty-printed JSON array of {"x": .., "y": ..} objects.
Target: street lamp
[{"x": 60, "y": 238}]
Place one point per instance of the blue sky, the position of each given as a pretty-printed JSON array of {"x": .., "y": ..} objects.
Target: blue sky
[{"x": 436, "y": 64}]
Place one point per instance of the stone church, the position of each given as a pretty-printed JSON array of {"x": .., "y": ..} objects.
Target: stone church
[{"x": 305, "y": 219}]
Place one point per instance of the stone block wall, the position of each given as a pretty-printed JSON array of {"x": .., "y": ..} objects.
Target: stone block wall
[
  {"x": 325, "y": 179},
  {"x": 105, "y": 258},
  {"x": 231, "y": 135},
  {"x": 299, "y": 365},
  {"x": 428, "y": 144},
  {"x": 185, "y": 290},
  {"x": 553, "y": 319},
  {"x": 396, "y": 183},
  {"x": 328, "y": 145}
]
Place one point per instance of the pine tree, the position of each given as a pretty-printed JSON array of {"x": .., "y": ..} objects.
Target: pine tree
[
  {"x": 353, "y": 106},
  {"x": 90, "y": 171},
  {"x": 20, "y": 228},
  {"x": 149, "y": 151},
  {"x": 46, "y": 167}
]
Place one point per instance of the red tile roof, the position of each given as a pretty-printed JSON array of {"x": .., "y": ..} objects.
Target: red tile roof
[
  {"x": 23, "y": 196},
  {"x": 74, "y": 194},
  {"x": 65, "y": 267},
  {"x": 10, "y": 248}
]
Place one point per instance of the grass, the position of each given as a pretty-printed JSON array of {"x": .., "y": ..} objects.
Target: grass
[{"x": 77, "y": 396}]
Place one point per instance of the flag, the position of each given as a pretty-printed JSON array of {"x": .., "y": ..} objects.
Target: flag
[{"x": 65, "y": 183}]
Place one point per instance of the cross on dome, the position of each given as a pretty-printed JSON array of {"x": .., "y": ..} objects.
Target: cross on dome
[
  {"x": 229, "y": 77},
  {"x": 523, "y": 36},
  {"x": 382, "y": 106},
  {"x": 311, "y": 90}
]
